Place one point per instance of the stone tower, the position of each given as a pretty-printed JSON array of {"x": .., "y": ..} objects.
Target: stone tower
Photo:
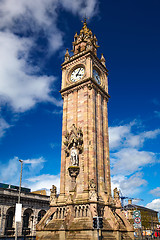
[{"x": 85, "y": 185}]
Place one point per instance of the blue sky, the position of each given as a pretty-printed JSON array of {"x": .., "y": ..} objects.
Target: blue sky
[{"x": 33, "y": 39}]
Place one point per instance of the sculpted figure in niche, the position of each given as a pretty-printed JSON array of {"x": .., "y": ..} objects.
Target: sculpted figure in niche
[{"x": 74, "y": 156}]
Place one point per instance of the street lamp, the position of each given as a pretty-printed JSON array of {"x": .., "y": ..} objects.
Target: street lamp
[
  {"x": 18, "y": 207},
  {"x": 19, "y": 194}
]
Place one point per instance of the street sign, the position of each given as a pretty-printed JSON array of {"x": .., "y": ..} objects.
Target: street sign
[
  {"x": 136, "y": 213},
  {"x": 137, "y": 219},
  {"x": 18, "y": 212}
]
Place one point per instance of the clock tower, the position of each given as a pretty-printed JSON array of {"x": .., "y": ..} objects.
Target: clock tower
[{"x": 85, "y": 184}]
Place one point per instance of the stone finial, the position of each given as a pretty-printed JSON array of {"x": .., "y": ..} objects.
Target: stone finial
[
  {"x": 116, "y": 193},
  {"x": 103, "y": 60},
  {"x": 85, "y": 40},
  {"x": 67, "y": 56},
  {"x": 53, "y": 190},
  {"x": 75, "y": 37},
  {"x": 53, "y": 194},
  {"x": 129, "y": 201}
]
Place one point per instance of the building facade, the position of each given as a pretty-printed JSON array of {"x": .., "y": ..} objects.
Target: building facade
[
  {"x": 149, "y": 217},
  {"x": 85, "y": 184},
  {"x": 34, "y": 207}
]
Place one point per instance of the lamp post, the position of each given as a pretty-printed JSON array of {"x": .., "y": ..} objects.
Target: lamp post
[{"x": 19, "y": 195}]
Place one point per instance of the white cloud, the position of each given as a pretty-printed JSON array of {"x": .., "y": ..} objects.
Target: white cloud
[
  {"x": 125, "y": 145},
  {"x": 34, "y": 161},
  {"x": 37, "y": 15},
  {"x": 33, "y": 166},
  {"x": 155, "y": 205},
  {"x": 44, "y": 181},
  {"x": 10, "y": 171},
  {"x": 19, "y": 85},
  {"x": 156, "y": 192},
  {"x": 21, "y": 23},
  {"x": 3, "y": 127},
  {"x": 122, "y": 136},
  {"x": 117, "y": 135},
  {"x": 82, "y": 7},
  {"x": 128, "y": 185},
  {"x": 129, "y": 160}
]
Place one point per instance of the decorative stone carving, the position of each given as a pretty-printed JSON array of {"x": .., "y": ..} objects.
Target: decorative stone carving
[
  {"x": 67, "y": 57},
  {"x": 53, "y": 194},
  {"x": 92, "y": 191},
  {"x": 74, "y": 139},
  {"x": 116, "y": 193},
  {"x": 74, "y": 171},
  {"x": 53, "y": 190},
  {"x": 117, "y": 198}
]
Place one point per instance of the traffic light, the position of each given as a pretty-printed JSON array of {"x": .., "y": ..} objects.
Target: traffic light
[
  {"x": 95, "y": 222},
  {"x": 100, "y": 222}
]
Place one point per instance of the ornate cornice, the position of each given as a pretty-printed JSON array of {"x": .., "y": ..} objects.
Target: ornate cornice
[
  {"x": 79, "y": 56},
  {"x": 88, "y": 82}
]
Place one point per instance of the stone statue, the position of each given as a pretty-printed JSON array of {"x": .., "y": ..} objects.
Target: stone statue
[{"x": 74, "y": 156}]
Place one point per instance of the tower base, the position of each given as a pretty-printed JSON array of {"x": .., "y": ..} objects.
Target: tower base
[{"x": 74, "y": 220}]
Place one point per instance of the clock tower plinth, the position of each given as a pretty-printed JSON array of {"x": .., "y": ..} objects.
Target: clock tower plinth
[{"x": 85, "y": 185}]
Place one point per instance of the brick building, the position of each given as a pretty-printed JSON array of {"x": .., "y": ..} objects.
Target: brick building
[
  {"x": 149, "y": 217},
  {"x": 34, "y": 206}
]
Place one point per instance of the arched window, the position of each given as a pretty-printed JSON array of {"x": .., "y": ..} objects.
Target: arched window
[
  {"x": 26, "y": 220},
  {"x": 9, "y": 230},
  {"x": 41, "y": 214},
  {"x": 9, "y": 219}
]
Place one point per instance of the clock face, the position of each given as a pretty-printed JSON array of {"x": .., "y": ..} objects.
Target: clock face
[
  {"x": 96, "y": 76},
  {"x": 77, "y": 74}
]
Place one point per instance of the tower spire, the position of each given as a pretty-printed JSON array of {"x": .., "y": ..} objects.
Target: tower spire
[{"x": 85, "y": 40}]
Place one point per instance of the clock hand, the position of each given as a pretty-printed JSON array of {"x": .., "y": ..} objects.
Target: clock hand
[{"x": 78, "y": 72}]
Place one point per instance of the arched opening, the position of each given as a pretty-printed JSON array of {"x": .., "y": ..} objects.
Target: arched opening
[
  {"x": 27, "y": 222},
  {"x": 41, "y": 215},
  {"x": 9, "y": 230}
]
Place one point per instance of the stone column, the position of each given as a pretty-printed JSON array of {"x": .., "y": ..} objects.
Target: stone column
[
  {"x": 63, "y": 156},
  {"x": 75, "y": 105},
  {"x": 85, "y": 137},
  {"x": 92, "y": 137},
  {"x": 106, "y": 148},
  {"x": 99, "y": 143},
  {"x": 35, "y": 220},
  {"x": 3, "y": 220}
]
